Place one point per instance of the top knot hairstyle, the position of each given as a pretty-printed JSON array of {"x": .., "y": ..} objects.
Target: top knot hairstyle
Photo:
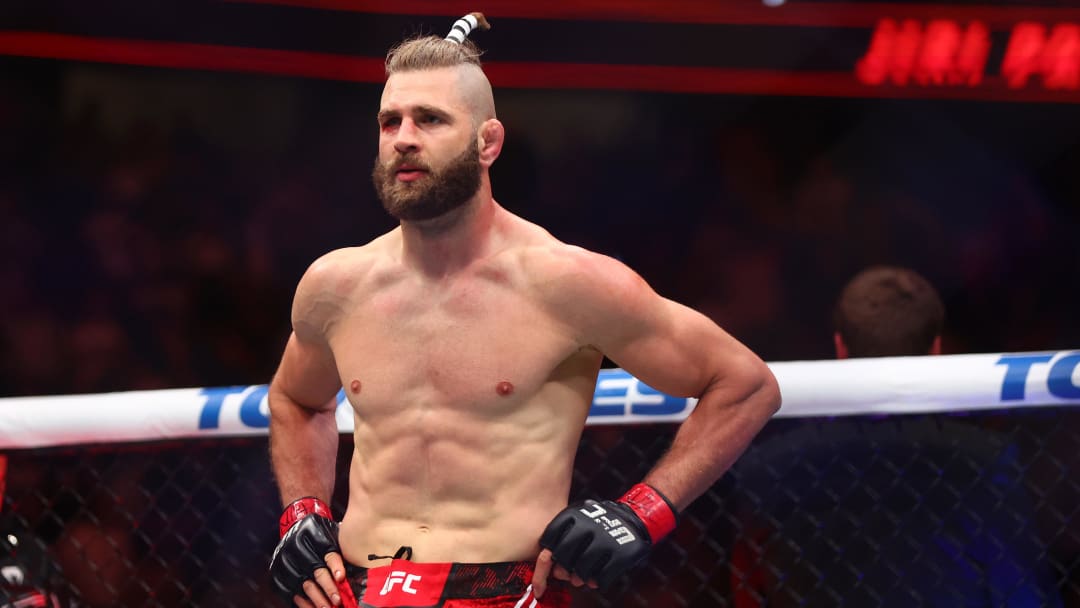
[
  {"x": 464, "y": 26},
  {"x": 430, "y": 52}
]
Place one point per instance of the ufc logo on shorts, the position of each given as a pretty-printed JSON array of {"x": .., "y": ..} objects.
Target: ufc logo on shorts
[{"x": 398, "y": 577}]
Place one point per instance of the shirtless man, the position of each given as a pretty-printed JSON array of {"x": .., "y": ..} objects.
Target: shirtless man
[{"x": 468, "y": 341}]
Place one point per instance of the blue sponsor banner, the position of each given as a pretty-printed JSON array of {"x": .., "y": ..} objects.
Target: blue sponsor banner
[
  {"x": 810, "y": 388},
  {"x": 886, "y": 385},
  {"x": 1060, "y": 380},
  {"x": 622, "y": 396}
]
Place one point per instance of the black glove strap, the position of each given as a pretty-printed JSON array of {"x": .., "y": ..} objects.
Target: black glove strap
[{"x": 301, "y": 552}]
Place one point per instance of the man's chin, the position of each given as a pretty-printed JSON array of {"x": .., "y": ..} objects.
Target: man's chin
[
  {"x": 410, "y": 211},
  {"x": 423, "y": 211}
]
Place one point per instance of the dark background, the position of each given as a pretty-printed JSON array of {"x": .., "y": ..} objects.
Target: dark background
[{"x": 154, "y": 222}]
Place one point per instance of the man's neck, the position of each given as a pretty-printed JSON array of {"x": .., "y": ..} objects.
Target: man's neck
[{"x": 450, "y": 242}]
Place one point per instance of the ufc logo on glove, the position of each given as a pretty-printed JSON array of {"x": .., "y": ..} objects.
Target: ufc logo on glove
[
  {"x": 598, "y": 541},
  {"x": 614, "y": 527}
]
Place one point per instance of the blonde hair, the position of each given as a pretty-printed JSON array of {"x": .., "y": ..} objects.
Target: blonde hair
[{"x": 431, "y": 52}]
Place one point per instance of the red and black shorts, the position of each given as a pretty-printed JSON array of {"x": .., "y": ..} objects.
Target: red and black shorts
[{"x": 415, "y": 585}]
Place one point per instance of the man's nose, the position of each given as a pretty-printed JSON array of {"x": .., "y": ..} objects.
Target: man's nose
[{"x": 406, "y": 139}]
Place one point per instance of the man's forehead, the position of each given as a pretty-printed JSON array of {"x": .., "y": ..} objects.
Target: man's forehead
[{"x": 440, "y": 88}]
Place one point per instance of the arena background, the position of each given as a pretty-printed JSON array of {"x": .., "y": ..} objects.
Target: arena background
[{"x": 168, "y": 170}]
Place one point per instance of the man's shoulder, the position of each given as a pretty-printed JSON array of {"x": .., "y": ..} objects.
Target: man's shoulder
[
  {"x": 346, "y": 266},
  {"x": 565, "y": 273},
  {"x": 344, "y": 260},
  {"x": 541, "y": 257},
  {"x": 546, "y": 260}
]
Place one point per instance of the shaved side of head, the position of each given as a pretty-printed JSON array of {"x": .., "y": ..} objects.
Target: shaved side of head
[{"x": 476, "y": 93}]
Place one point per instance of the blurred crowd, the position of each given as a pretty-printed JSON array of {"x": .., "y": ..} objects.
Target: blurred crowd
[
  {"x": 143, "y": 249},
  {"x": 148, "y": 251},
  {"x": 149, "y": 257}
]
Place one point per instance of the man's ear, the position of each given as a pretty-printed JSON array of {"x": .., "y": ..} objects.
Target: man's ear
[
  {"x": 490, "y": 141},
  {"x": 841, "y": 348}
]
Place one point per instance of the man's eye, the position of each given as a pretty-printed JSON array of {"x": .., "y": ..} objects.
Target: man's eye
[
  {"x": 431, "y": 120},
  {"x": 391, "y": 122}
]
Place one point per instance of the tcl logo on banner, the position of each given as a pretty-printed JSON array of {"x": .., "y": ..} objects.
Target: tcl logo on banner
[{"x": 945, "y": 53}]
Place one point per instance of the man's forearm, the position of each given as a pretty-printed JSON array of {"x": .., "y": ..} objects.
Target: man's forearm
[
  {"x": 303, "y": 448},
  {"x": 720, "y": 428}
]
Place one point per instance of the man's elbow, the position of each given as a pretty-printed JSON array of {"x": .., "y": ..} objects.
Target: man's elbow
[
  {"x": 763, "y": 389},
  {"x": 281, "y": 404},
  {"x": 278, "y": 403},
  {"x": 284, "y": 397}
]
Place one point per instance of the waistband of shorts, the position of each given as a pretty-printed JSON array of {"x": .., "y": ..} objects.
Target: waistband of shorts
[{"x": 467, "y": 580}]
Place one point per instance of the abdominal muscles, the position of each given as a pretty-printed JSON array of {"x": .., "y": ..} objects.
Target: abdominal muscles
[{"x": 463, "y": 484}]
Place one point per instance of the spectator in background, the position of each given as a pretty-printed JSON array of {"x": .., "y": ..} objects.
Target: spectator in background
[
  {"x": 899, "y": 511},
  {"x": 887, "y": 311}
]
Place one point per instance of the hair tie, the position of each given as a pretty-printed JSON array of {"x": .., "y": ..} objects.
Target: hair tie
[{"x": 464, "y": 26}]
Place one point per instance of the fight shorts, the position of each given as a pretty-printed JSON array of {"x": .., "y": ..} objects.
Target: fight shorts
[{"x": 440, "y": 585}]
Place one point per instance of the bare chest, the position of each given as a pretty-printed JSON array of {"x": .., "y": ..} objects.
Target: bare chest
[{"x": 473, "y": 345}]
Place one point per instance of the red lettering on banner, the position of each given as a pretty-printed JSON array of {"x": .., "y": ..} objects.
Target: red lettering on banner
[
  {"x": 942, "y": 55},
  {"x": 874, "y": 66},
  {"x": 1055, "y": 57},
  {"x": 939, "y": 48},
  {"x": 905, "y": 49},
  {"x": 1061, "y": 58},
  {"x": 1022, "y": 56},
  {"x": 971, "y": 59}
]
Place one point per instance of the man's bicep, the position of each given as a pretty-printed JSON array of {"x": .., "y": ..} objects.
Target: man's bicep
[
  {"x": 307, "y": 374},
  {"x": 667, "y": 345},
  {"x": 673, "y": 348}
]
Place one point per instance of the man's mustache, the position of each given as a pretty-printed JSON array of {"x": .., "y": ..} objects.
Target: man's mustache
[{"x": 409, "y": 161}]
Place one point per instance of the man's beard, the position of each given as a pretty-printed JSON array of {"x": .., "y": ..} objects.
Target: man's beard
[{"x": 435, "y": 193}]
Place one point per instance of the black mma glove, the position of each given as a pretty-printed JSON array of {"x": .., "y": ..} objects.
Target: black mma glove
[
  {"x": 308, "y": 532},
  {"x": 598, "y": 541}
]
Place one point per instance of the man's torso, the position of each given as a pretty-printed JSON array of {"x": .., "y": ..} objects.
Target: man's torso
[{"x": 470, "y": 393}]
